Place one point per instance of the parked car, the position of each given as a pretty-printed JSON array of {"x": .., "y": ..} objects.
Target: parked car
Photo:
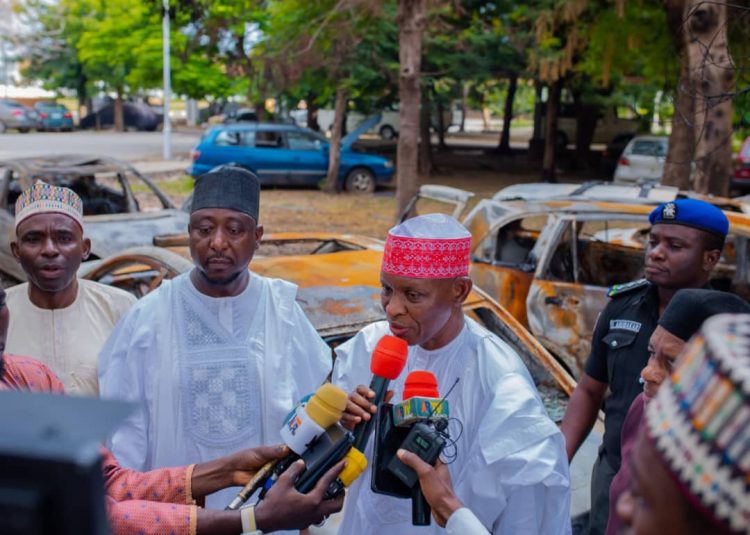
[
  {"x": 741, "y": 177},
  {"x": 54, "y": 116},
  {"x": 286, "y": 154},
  {"x": 18, "y": 116},
  {"x": 136, "y": 115},
  {"x": 387, "y": 126},
  {"x": 121, "y": 207},
  {"x": 550, "y": 262},
  {"x": 642, "y": 160},
  {"x": 611, "y": 122}
]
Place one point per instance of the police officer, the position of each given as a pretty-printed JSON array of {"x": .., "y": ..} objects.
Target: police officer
[{"x": 684, "y": 245}]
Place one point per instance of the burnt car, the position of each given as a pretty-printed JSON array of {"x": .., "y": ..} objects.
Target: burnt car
[
  {"x": 549, "y": 257},
  {"x": 339, "y": 290},
  {"x": 121, "y": 207}
]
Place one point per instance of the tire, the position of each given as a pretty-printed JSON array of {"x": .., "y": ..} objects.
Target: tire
[
  {"x": 24, "y": 130},
  {"x": 360, "y": 180},
  {"x": 561, "y": 139},
  {"x": 387, "y": 132}
]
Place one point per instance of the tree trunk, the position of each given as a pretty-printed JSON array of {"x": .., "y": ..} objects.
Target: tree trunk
[
  {"x": 441, "y": 127},
  {"x": 260, "y": 109},
  {"x": 681, "y": 138},
  {"x": 586, "y": 119},
  {"x": 550, "y": 133},
  {"x": 411, "y": 21},
  {"x": 712, "y": 75},
  {"x": 536, "y": 143},
  {"x": 312, "y": 113},
  {"x": 464, "y": 106},
  {"x": 332, "y": 183},
  {"x": 425, "y": 139},
  {"x": 119, "y": 117},
  {"x": 504, "y": 146}
]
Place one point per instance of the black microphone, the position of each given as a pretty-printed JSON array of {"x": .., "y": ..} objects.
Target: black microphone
[{"x": 388, "y": 360}]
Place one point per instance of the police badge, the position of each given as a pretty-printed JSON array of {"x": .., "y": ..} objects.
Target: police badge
[{"x": 669, "y": 211}]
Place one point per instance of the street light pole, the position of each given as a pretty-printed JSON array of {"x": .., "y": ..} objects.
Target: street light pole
[{"x": 167, "y": 123}]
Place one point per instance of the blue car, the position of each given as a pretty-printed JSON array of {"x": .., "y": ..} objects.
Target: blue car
[
  {"x": 53, "y": 116},
  {"x": 286, "y": 154}
]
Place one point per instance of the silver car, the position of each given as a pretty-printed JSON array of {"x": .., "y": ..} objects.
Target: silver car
[{"x": 16, "y": 115}]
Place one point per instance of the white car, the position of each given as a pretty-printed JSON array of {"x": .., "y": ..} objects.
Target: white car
[{"x": 642, "y": 160}]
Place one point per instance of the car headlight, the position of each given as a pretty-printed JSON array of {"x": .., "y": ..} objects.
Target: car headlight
[{"x": 388, "y": 164}]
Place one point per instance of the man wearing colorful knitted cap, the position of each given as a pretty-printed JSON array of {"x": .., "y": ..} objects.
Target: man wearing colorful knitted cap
[
  {"x": 691, "y": 465},
  {"x": 511, "y": 470},
  {"x": 218, "y": 356},
  {"x": 684, "y": 245},
  {"x": 57, "y": 318},
  {"x": 686, "y": 312}
]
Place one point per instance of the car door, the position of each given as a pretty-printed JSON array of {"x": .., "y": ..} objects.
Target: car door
[
  {"x": 585, "y": 255},
  {"x": 504, "y": 263},
  {"x": 307, "y": 158}
]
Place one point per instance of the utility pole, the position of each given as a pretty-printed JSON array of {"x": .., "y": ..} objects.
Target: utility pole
[{"x": 167, "y": 123}]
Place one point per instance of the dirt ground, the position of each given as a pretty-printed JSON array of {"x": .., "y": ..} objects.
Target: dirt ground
[{"x": 478, "y": 170}]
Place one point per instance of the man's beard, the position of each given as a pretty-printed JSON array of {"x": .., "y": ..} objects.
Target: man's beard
[{"x": 219, "y": 282}]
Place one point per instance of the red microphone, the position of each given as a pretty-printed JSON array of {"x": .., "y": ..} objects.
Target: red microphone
[
  {"x": 388, "y": 360},
  {"x": 420, "y": 383}
]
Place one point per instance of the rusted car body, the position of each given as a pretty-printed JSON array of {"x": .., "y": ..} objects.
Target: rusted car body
[
  {"x": 122, "y": 208},
  {"x": 551, "y": 262}
]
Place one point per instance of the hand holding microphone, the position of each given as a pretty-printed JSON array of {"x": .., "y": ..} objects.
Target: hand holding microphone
[
  {"x": 387, "y": 363},
  {"x": 306, "y": 423}
]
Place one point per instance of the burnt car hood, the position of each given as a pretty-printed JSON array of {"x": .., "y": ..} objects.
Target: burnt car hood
[{"x": 110, "y": 234}]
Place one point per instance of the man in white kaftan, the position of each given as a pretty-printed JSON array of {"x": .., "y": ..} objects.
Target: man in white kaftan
[
  {"x": 218, "y": 356},
  {"x": 511, "y": 470},
  {"x": 57, "y": 318}
]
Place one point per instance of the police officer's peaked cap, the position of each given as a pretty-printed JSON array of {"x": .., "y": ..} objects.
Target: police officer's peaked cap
[{"x": 691, "y": 213}]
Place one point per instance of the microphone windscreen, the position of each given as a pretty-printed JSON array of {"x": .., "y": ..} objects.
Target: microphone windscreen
[
  {"x": 420, "y": 383},
  {"x": 389, "y": 357},
  {"x": 356, "y": 462},
  {"x": 327, "y": 406}
]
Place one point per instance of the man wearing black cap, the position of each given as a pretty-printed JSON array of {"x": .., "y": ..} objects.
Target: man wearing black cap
[
  {"x": 217, "y": 356},
  {"x": 684, "y": 245}
]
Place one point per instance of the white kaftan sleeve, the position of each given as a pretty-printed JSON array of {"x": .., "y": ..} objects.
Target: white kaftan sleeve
[
  {"x": 126, "y": 362},
  {"x": 352, "y": 364},
  {"x": 463, "y": 522},
  {"x": 312, "y": 358},
  {"x": 525, "y": 483}
]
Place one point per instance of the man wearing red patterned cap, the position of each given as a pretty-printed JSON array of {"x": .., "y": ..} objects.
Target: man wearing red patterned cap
[{"x": 511, "y": 470}]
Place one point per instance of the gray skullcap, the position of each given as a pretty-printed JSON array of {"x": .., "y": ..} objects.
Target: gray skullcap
[
  {"x": 233, "y": 188},
  {"x": 689, "y": 308}
]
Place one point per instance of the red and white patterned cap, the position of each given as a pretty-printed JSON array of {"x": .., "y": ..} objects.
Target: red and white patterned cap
[{"x": 433, "y": 246}]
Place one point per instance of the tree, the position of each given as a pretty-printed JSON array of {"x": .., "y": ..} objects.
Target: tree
[
  {"x": 411, "y": 21},
  {"x": 711, "y": 73}
]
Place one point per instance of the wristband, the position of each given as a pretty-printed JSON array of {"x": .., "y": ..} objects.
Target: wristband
[{"x": 247, "y": 516}]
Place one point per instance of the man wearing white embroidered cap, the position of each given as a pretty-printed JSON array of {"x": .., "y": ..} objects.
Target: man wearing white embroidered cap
[{"x": 511, "y": 469}]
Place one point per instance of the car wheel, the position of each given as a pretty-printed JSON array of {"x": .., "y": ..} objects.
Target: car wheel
[
  {"x": 387, "y": 132},
  {"x": 360, "y": 180},
  {"x": 23, "y": 130},
  {"x": 561, "y": 139}
]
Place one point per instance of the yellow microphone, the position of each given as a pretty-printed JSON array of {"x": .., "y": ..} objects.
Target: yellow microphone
[{"x": 305, "y": 423}]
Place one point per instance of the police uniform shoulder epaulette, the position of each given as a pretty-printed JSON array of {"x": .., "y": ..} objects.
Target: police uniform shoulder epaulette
[{"x": 627, "y": 287}]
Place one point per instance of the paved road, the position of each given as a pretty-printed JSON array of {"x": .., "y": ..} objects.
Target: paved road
[
  {"x": 139, "y": 146},
  {"x": 130, "y": 146}
]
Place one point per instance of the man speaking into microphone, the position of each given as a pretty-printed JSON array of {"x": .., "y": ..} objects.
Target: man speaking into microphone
[{"x": 511, "y": 469}]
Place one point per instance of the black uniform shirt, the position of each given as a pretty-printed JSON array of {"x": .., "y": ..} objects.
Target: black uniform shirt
[{"x": 619, "y": 351}]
